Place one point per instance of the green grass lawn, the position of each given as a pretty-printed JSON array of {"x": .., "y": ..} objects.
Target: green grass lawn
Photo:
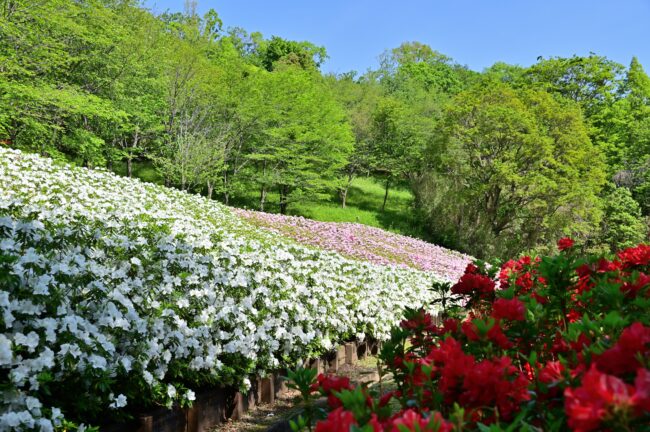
[
  {"x": 365, "y": 197},
  {"x": 144, "y": 170}
]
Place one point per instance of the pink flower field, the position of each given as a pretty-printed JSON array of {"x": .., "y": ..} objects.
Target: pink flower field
[{"x": 364, "y": 243}]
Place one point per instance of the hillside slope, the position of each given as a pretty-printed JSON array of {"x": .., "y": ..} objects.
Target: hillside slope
[
  {"x": 128, "y": 295},
  {"x": 365, "y": 243}
]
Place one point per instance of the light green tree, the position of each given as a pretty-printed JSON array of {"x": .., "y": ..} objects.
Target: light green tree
[
  {"x": 306, "y": 137},
  {"x": 513, "y": 170}
]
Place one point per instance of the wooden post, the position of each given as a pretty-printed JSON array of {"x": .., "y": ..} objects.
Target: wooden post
[
  {"x": 279, "y": 384},
  {"x": 350, "y": 353},
  {"x": 362, "y": 350},
  {"x": 340, "y": 357},
  {"x": 237, "y": 411},
  {"x": 267, "y": 391},
  {"x": 317, "y": 364},
  {"x": 192, "y": 419},
  {"x": 146, "y": 424}
]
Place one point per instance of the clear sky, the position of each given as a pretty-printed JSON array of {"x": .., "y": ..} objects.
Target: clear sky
[{"x": 476, "y": 33}]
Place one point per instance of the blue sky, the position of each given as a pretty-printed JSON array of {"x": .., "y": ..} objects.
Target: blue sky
[{"x": 474, "y": 32}]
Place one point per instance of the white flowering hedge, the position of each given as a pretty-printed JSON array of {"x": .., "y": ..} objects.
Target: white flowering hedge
[{"x": 117, "y": 295}]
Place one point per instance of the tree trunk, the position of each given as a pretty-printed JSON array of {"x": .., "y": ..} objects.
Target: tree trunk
[
  {"x": 383, "y": 206},
  {"x": 283, "y": 199},
  {"x": 226, "y": 195},
  {"x": 263, "y": 191},
  {"x": 262, "y": 197},
  {"x": 210, "y": 189},
  {"x": 343, "y": 193},
  {"x": 129, "y": 159}
]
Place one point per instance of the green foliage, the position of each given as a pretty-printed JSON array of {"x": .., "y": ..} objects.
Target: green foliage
[
  {"x": 303, "y": 54},
  {"x": 622, "y": 225},
  {"x": 306, "y": 137},
  {"x": 513, "y": 170},
  {"x": 232, "y": 114}
]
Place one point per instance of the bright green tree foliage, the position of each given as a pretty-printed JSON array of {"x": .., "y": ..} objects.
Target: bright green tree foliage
[
  {"x": 622, "y": 224},
  {"x": 307, "y": 139},
  {"x": 518, "y": 171},
  {"x": 500, "y": 161}
]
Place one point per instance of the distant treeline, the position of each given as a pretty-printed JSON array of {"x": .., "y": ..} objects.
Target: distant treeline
[{"x": 500, "y": 162}]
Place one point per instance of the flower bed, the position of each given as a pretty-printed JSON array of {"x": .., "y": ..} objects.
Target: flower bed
[
  {"x": 551, "y": 344},
  {"x": 117, "y": 295},
  {"x": 366, "y": 243}
]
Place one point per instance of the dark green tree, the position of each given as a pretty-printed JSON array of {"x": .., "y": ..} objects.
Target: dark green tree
[{"x": 512, "y": 171}]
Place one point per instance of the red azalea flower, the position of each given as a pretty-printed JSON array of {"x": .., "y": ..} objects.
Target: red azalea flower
[
  {"x": 573, "y": 316},
  {"x": 550, "y": 376},
  {"x": 383, "y": 401},
  {"x": 471, "y": 268},
  {"x": 413, "y": 421},
  {"x": 632, "y": 289},
  {"x": 623, "y": 357},
  {"x": 565, "y": 243},
  {"x": 635, "y": 256},
  {"x": 513, "y": 310},
  {"x": 495, "y": 334},
  {"x": 538, "y": 298},
  {"x": 507, "y": 270},
  {"x": 330, "y": 384},
  {"x": 471, "y": 283},
  {"x": 450, "y": 325},
  {"x": 496, "y": 382},
  {"x": 642, "y": 389},
  {"x": 420, "y": 320},
  {"x": 525, "y": 260},
  {"x": 452, "y": 364},
  {"x": 581, "y": 343},
  {"x": 598, "y": 396},
  {"x": 470, "y": 331},
  {"x": 375, "y": 424},
  {"x": 338, "y": 420},
  {"x": 551, "y": 372},
  {"x": 606, "y": 266},
  {"x": 525, "y": 282}
]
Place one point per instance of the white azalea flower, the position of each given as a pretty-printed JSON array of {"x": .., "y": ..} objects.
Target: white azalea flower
[{"x": 238, "y": 288}]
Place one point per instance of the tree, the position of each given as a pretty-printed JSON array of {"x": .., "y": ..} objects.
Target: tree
[
  {"x": 359, "y": 98},
  {"x": 302, "y": 54},
  {"x": 595, "y": 83},
  {"x": 414, "y": 64},
  {"x": 513, "y": 170},
  {"x": 635, "y": 130},
  {"x": 622, "y": 225},
  {"x": 307, "y": 138}
]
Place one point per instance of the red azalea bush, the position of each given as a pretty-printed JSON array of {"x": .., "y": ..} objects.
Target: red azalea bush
[{"x": 544, "y": 344}]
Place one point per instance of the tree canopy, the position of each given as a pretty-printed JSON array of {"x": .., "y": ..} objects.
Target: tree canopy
[{"x": 500, "y": 161}]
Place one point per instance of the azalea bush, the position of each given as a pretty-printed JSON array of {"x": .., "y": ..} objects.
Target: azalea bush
[
  {"x": 538, "y": 344},
  {"x": 365, "y": 243},
  {"x": 117, "y": 296}
]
